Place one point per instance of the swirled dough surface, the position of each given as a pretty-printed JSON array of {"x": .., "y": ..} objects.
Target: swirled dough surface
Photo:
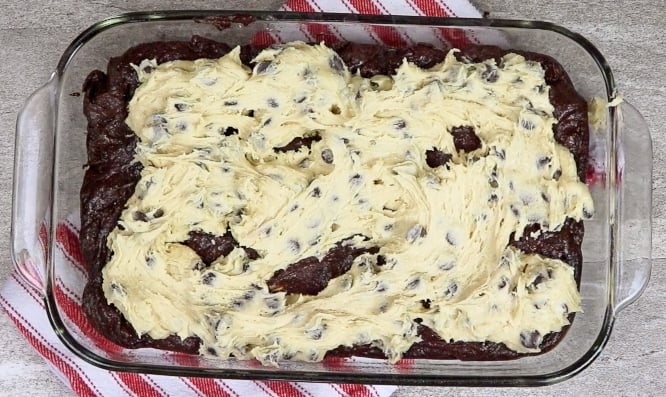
[{"x": 207, "y": 132}]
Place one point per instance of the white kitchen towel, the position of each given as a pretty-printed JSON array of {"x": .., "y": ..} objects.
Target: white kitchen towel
[
  {"x": 24, "y": 303},
  {"x": 381, "y": 34}
]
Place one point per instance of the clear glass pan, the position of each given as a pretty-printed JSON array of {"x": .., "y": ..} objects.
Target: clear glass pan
[{"x": 50, "y": 153}]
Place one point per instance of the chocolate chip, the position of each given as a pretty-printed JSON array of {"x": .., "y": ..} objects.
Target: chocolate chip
[
  {"x": 418, "y": 320},
  {"x": 327, "y": 156},
  {"x": 500, "y": 153},
  {"x": 530, "y": 339},
  {"x": 515, "y": 211},
  {"x": 425, "y": 303},
  {"x": 545, "y": 197},
  {"x": 445, "y": 266},
  {"x": 436, "y": 158},
  {"x": 147, "y": 69},
  {"x": 355, "y": 179},
  {"x": 158, "y": 120},
  {"x": 503, "y": 282},
  {"x": 335, "y": 109},
  {"x": 267, "y": 122},
  {"x": 248, "y": 113},
  {"x": 540, "y": 278},
  {"x": 140, "y": 216},
  {"x": 118, "y": 289},
  {"x": 490, "y": 75},
  {"x": 543, "y": 162},
  {"x": 181, "y": 126},
  {"x": 465, "y": 139},
  {"x": 251, "y": 253},
  {"x": 249, "y": 295},
  {"x": 315, "y": 333},
  {"x": 315, "y": 241},
  {"x": 527, "y": 124},
  {"x": 198, "y": 266},
  {"x": 208, "y": 278},
  {"x": 272, "y": 302},
  {"x": 262, "y": 67},
  {"x": 294, "y": 246},
  {"x": 557, "y": 175},
  {"x": 450, "y": 238},
  {"x": 493, "y": 183},
  {"x": 413, "y": 283},
  {"x": 587, "y": 213},
  {"x": 158, "y": 213},
  {"x": 381, "y": 287},
  {"x": 316, "y": 192},
  {"x": 300, "y": 99},
  {"x": 336, "y": 63},
  {"x": 493, "y": 198},
  {"x": 211, "y": 351},
  {"x": 400, "y": 124},
  {"x": 381, "y": 260},
  {"x": 293, "y": 207},
  {"x": 272, "y": 102},
  {"x": 298, "y": 142},
  {"x": 230, "y": 103},
  {"x": 181, "y": 107},
  {"x": 451, "y": 290},
  {"x": 415, "y": 232}
]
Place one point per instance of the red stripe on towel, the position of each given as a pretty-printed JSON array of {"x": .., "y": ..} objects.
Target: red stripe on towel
[{"x": 387, "y": 34}]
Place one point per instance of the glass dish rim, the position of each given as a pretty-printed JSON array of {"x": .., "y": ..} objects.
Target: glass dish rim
[{"x": 328, "y": 376}]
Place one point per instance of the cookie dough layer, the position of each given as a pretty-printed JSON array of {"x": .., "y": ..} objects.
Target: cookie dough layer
[{"x": 210, "y": 137}]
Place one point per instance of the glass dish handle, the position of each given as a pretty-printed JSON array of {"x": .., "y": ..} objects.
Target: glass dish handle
[
  {"x": 634, "y": 177},
  {"x": 31, "y": 197}
]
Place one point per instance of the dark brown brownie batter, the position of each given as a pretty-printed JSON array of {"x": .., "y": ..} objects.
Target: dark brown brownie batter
[{"x": 111, "y": 177}]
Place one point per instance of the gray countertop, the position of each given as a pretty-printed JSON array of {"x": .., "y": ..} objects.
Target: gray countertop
[{"x": 34, "y": 33}]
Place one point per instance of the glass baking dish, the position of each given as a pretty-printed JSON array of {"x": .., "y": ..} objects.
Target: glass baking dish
[{"x": 51, "y": 152}]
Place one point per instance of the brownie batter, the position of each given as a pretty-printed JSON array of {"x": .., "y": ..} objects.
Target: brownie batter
[{"x": 111, "y": 179}]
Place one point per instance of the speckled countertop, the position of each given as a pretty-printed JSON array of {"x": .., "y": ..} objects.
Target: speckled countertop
[{"x": 630, "y": 34}]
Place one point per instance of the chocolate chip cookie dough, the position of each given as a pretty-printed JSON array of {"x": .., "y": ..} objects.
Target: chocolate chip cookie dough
[{"x": 292, "y": 205}]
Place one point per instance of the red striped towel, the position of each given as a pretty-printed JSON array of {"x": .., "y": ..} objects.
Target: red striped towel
[{"x": 23, "y": 302}]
